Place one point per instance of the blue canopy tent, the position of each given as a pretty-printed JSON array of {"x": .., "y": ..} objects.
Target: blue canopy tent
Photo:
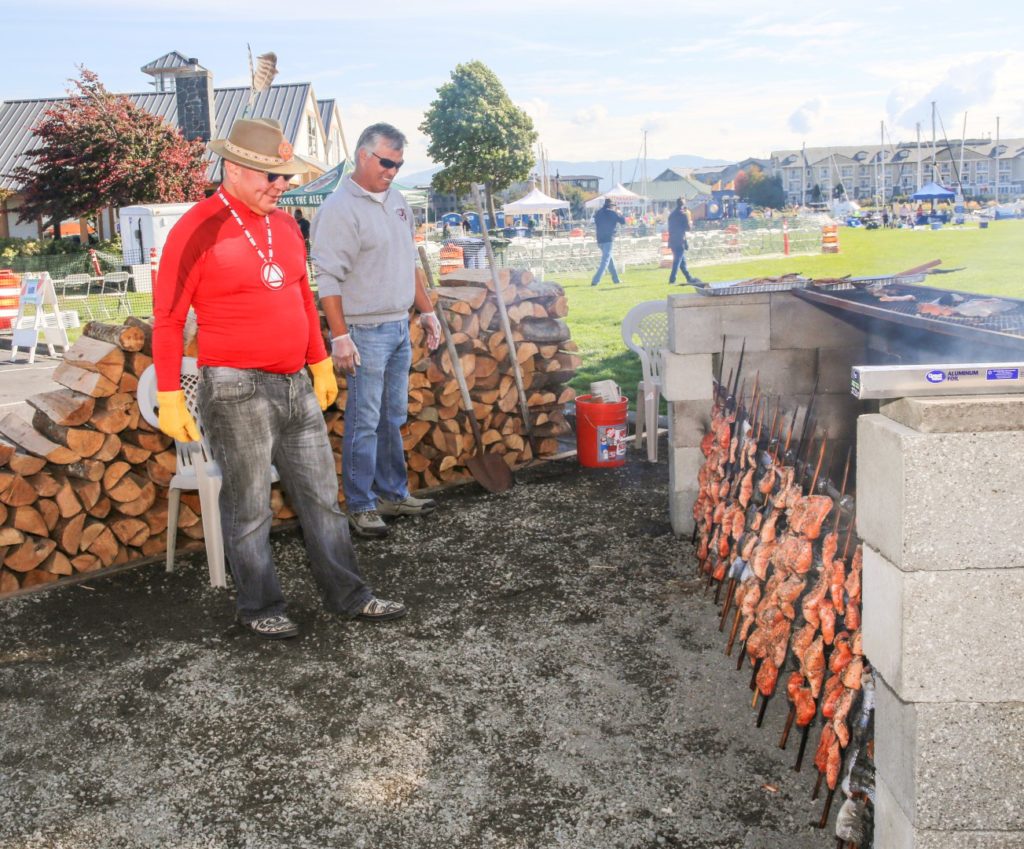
[{"x": 933, "y": 192}]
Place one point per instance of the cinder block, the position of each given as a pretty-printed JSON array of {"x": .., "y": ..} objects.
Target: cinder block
[
  {"x": 964, "y": 414},
  {"x": 892, "y": 824},
  {"x": 686, "y": 377},
  {"x": 696, "y": 323},
  {"x": 786, "y": 371},
  {"x": 880, "y": 477},
  {"x": 951, "y": 766},
  {"x": 688, "y": 422},
  {"x": 681, "y": 512},
  {"x": 683, "y": 466},
  {"x": 893, "y": 828},
  {"x": 882, "y": 617},
  {"x": 800, "y": 324},
  {"x": 940, "y": 501},
  {"x": 933, "y": 635},
  {"x": 834, "y": 365}
]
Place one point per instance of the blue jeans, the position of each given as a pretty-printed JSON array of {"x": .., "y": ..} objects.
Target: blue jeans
[
  {"x": 679, "y": 264},
  {"x": 373, "y": 459},
  {"x": 606, "y": 263},
  {"x": 252, "y": 419}
]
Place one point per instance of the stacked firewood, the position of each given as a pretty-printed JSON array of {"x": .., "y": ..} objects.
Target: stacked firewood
[
  {"x": 84, "y": 485},
  {"x": 769, "y": 529},
  {"x": 438, "y": 437}
]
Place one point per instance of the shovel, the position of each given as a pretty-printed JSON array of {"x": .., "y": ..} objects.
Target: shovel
[{"x": 488, "y": 470}]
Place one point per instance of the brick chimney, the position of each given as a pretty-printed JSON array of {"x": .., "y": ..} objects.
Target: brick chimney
[{"x": 194, "y": 91}]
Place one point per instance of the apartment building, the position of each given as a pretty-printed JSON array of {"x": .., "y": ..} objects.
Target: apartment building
[{"x": 872, "y": 171}]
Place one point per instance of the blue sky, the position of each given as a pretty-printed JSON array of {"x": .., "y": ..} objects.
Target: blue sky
[{"x": 721, "y": 80}]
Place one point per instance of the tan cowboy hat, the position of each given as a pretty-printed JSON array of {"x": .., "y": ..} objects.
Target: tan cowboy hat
[{"x": 259, "y": 144}]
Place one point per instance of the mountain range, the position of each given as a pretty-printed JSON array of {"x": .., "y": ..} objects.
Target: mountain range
[{"x": 626, "y": 171}]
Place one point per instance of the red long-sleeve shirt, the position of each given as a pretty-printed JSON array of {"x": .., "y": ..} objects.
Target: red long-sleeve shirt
[{"x": 209, "y": 264}]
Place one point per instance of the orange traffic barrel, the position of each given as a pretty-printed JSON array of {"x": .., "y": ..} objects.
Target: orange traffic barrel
[
  {"x": 451, "y": 259},
  {"x": 10, "y": 294},
  {"x": 830, "y": 239}
]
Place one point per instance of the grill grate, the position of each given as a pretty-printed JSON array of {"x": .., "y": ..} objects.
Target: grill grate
[{"x": 857, "y": 299}]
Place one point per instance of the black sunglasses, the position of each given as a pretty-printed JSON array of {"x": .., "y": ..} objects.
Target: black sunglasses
[
  {"x": 272, "y": 177},
  {"x": 389, "y": 163}
]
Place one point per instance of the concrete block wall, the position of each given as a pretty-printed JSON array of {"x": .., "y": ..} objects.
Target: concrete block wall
[
  {"x": 790, "y": 345},
  {"x": 940, "y": 513}
]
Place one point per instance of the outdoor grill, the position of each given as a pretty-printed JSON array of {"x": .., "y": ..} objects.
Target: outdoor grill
[{"x": 974, "y": 338}]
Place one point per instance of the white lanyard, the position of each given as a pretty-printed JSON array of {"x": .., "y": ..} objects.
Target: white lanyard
[{"x": 271, "y": 273}]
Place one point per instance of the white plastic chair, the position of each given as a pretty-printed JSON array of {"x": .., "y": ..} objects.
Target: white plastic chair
[
  {"x": 196, "y": 470},
  {"x": 645, "y": 331}
]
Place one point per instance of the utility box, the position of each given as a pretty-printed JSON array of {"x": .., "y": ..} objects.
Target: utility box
[{"x": 146, "y": 226}]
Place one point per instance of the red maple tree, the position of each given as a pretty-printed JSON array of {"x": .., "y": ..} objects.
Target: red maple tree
[{"x": 100, "y": 149}]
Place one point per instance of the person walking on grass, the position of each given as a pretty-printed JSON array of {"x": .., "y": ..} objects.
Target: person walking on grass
[
  {"x": 606, "y": 221},
  {"x": 678, "y": 227},
  {"x": 368, "y": 279},
  {"x": 241, "y": 264}
]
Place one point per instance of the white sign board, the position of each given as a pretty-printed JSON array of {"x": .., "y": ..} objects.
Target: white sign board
[{"x": 34, "y": 320}]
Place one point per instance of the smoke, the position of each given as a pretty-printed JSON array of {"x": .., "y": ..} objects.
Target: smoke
[
  {"x": 963, "y": 88},
  {"x": 803, "y": 119}
]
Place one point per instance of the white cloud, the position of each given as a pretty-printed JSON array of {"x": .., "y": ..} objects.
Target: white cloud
[
  {"x": 963, "y": 87},
  {"x": 803, "y": 118},
  {"x": 590, "y": 115}
]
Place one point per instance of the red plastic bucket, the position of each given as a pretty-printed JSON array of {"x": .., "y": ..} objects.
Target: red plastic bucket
[{"x": 600, "y": 432}]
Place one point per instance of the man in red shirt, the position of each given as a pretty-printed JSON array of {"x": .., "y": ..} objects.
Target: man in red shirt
[{"x": 241, "y": 264}]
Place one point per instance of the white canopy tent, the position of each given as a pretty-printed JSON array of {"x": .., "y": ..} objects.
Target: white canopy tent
[
  {"x": 535, "y": 203},
  {"x": 618, "y": 193}
]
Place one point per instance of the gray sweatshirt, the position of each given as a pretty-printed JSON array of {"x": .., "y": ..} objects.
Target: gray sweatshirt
[{"x": 363, "y": 249}]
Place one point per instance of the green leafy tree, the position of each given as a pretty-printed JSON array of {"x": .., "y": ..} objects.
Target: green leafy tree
[
  {"x": 753, "y": 186},
  {"x": 477, "y": 133},
  {"x": 768, "y": 192},
  {"x": 576, "y": 197},
  {"x": 100, "y": 149}
]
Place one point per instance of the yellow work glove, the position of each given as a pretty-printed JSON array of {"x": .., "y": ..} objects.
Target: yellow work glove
[
  {"x": 325, "y": 384},
  {"x": 175, "y": 419}
]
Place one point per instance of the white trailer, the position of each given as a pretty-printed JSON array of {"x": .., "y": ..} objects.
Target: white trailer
[{"x": 146, "y": 226}]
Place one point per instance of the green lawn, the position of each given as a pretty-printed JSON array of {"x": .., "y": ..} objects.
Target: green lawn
[{"x": 991, "y": 260}]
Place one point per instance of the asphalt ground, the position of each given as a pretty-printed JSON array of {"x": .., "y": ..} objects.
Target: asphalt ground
[
  {"x": 560, "y": 682},
  {"x": 20, "y": 378}
]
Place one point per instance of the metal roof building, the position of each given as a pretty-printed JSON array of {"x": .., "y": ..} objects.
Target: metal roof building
[{"x": 312, "y": 126}]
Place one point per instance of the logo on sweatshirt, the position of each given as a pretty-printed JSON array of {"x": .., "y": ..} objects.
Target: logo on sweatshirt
[{"x": 401, "y": 213}]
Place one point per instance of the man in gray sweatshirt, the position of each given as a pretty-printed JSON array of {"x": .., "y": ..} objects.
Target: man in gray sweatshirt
[{"x": 367, "y": 278}]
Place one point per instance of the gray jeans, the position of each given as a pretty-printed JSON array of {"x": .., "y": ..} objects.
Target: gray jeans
[{"x": 255, "y": 418}]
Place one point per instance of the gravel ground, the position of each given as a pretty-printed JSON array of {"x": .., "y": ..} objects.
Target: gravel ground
[{"x": 559, "y": 682}]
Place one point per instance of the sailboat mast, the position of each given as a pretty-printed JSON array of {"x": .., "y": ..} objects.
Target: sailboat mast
[
  {"x": 997, "y": 159},
  {"x": 960, "y": 181},
  {"x": 920, "y": 163},
  {"x": 935, "y": 163}
]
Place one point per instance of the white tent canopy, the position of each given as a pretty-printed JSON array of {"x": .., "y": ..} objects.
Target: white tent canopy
[
  {"x": 535, "y": 203},
  {"x": 618, "y": 193}
]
